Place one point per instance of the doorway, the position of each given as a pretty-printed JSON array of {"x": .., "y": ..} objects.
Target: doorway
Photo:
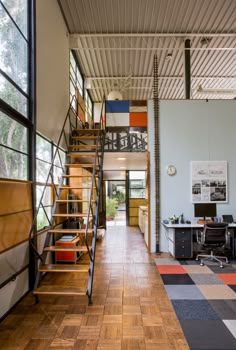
[{"x": 115, "y": 203}]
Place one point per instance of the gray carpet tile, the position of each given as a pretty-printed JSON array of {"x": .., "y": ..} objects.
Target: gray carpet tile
[
  {"x": 194, "y": 310},
  {"x": 183, "y": 292},
  {"x": 208, "y": 334},
  {"x": 225, "y": 309},
  {"x": 205, "y": 278}
]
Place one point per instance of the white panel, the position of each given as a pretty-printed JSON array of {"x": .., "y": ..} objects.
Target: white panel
[
  {"x": 12, "y": 292},
  {"x": 52, "y": 69},
  {"x": 97, "y": 112},
  {"x": 117, "y": 119},
  {"x": 13, "y": 260}
]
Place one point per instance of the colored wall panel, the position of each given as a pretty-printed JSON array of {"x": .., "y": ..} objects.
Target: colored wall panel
[
  {"x": 117, "y": 106},
  {"x": 138, "y": 119},
  {"x": 117, "y": 119}
]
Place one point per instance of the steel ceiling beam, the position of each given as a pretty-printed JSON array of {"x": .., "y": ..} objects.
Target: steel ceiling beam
[{"x": 152, "y": 35}]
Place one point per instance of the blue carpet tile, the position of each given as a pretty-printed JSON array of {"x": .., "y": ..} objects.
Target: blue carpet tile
[{"x": 208, "y": 324}]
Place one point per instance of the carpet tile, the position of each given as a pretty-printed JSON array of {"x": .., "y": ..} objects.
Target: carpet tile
[
  {"x": 208, "y": 334},
  {"x": 194, "y": 310},
  {"x": 231, "y": 325},
  {"x": 204, "y": 278},
  {"x": 226, "y": 309},
  {"x": 188, "y": 292},
  {"x": 228, "y": 278},
  {"x": 204, "y": 300},
  {"x": 233, "y": 287},
  {"x": 177, "y": 279},
  {"x": 171, "y": 269},
  {"x": 166, "y": 261},
  {"x": 197, "y": 269},
  {"x": 217, "y": 291},
  {"x": 226, "y": 269}
]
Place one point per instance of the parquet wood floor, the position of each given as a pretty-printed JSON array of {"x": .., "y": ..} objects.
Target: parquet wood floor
[{"x": 130, "y": 310}]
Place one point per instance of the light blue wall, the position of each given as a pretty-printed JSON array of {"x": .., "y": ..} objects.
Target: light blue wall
[{"x": 192, "y": 130}]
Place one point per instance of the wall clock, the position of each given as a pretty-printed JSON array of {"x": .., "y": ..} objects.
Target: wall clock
[{"x": 171, "y": 170}]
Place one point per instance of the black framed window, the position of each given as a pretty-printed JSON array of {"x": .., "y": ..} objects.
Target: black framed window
[
  {"x": 47, "y": 159},
  {"x": 17, "y": 89},
  {"x": 13, "y": 149},
  {"x": 137, "y": 184},
  {"x": 76, "y": 78},
  {"x": 14, "y": 55}
]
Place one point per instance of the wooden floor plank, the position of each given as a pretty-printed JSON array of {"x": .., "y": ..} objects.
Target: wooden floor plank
[{"x": 130, "y": 310}]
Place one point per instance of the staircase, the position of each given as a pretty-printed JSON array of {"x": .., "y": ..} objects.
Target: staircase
[{"x": 66, "y": 264}]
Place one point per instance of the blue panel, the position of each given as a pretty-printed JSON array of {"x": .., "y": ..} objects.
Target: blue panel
[{"x": 117, "y": 106}]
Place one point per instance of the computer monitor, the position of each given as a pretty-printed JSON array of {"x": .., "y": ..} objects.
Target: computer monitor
[
  {"x": 204, "y": 210},
  {"x": 228, "y": 219}
]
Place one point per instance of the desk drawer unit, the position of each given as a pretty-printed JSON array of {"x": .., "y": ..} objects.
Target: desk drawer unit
[{"x": 181, "y": 243}]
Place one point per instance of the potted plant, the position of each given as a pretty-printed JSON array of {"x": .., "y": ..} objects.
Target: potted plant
[{"x": 111, "y": 208}]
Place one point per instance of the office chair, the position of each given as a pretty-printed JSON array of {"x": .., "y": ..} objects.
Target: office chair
[{"x": 214, "y": 235}]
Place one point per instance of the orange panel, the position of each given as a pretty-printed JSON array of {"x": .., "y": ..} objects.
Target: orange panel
[
  {"x": 66, "y": 256},
  {"x": 138, "y": 119}
]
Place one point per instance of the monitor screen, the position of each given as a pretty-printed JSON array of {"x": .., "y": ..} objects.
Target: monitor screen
[{"x": 204, "y": 210}]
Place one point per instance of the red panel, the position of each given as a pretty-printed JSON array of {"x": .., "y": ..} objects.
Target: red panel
[
  {"x": 65, "y": 256},
  {"x": 138, "y": 119}
]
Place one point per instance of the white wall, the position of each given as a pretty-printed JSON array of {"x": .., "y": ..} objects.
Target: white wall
[
  {"x": 52, "y": 61},
  {"x": 192, "y": 130},
  {"x": 11, "y": 262}
]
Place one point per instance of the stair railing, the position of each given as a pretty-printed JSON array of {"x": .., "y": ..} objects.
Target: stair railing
[
  {"x": 71, "y": 121},
  {"x": 99, "y": 156}
]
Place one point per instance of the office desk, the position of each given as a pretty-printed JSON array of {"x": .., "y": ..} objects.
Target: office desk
[{"x": 180, "y": 239}]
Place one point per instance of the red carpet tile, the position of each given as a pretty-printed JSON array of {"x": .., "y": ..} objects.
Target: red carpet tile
[
  {"x": 227, "y": 278},
  {"x": 171, "y": 269}
]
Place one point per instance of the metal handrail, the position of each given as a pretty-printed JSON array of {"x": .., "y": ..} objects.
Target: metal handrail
[{"x": 31, "y": 235}]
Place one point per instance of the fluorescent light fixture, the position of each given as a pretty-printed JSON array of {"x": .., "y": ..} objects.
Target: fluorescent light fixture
[
  {"x": 203, "y": 91},
  {"x": 121, "y": 158},
  {"x": 122, "y": 167}
]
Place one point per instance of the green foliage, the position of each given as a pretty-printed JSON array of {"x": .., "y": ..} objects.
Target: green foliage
[
  {"x": 120, "y": 196},
  {"x": 111, "y": 207}
]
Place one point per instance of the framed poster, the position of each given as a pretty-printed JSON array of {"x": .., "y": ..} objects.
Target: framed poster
[{"x": 209, "y": 181}]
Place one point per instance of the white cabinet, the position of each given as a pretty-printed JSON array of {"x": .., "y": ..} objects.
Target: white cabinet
[
  {"x": 141, "y": 222},
  {"x": 146, "y": 235}
]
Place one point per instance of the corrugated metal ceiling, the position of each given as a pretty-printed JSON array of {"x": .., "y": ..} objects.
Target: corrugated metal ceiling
[{"x": 115, "y": 42}]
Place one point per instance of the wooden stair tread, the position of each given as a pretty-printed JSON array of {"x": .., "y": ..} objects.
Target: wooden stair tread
[
  {"x": 88, "y": 131},
  {"x": 78, "y": 215},
  {"x": 60, "y": 290},
  {"x": 63, "y": 268},
  {"x": 67, "y": 248},
  {"x": 74, "y": 200},
  {"x": 84, "y": 137},
  {"x": 78, "y": 176},
  {"x": 69, "y": 230},
  {"x": 83, "y": 146},
  {"x": 77, "y": 154},
  {"x": 76, "y": 187},
  {"x": 88, "y": 165}
]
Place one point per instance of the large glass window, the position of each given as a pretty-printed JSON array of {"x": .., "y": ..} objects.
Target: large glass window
[
  {"x": 13, "y": 149},
  {"x": 48, "y": 157},
  {"x": 76, "y": 79},
  {"x": 88, "y": 106},
  {"x": 14, "y": 89},
  {"x": 137, "y": 184},
  {"x": 14, "y": 48},
  {"x": 43, "y": 165}
]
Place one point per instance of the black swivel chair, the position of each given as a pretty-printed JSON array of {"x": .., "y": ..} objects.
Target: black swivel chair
[{"x": 214, "y": 235}]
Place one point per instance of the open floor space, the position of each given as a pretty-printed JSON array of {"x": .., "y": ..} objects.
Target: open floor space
[{"x": 130, "y": 310}]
